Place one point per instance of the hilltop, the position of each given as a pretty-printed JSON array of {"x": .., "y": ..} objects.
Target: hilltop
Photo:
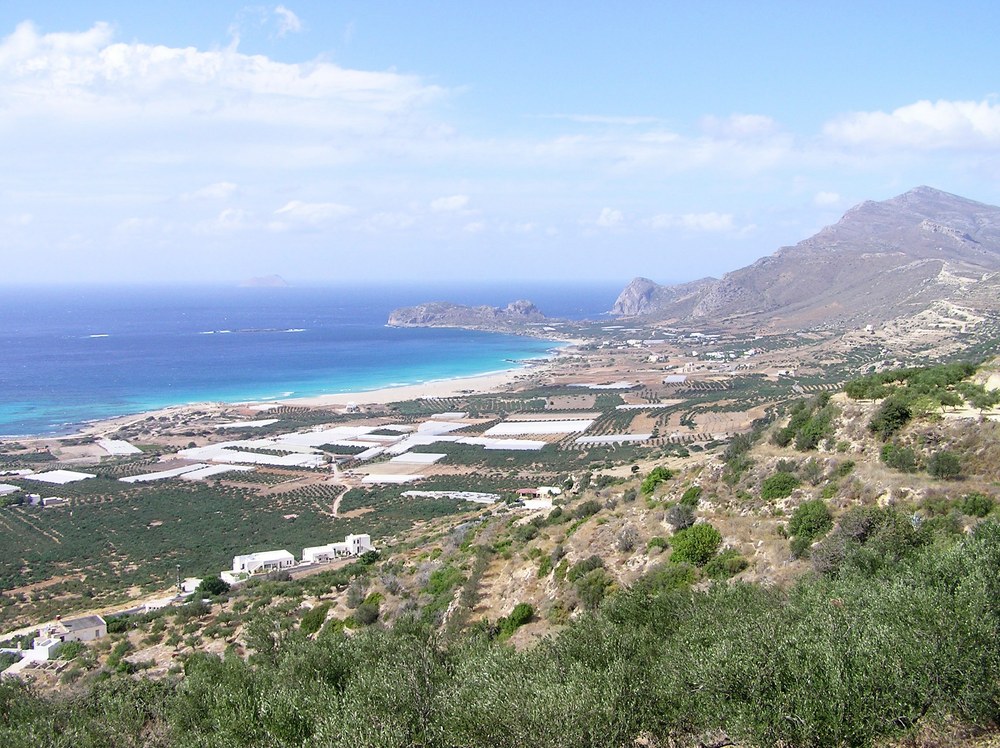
[{"x": 881, "y": 261}]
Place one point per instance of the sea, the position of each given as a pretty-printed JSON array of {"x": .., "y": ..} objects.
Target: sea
[{"x": 73, "y": 355}]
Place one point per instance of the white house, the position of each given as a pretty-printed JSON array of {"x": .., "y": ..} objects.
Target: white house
[
  {"x": 84, "y": 629},
  {"x": 353, "y": 545},
  {"x": 263, "y": 562}
]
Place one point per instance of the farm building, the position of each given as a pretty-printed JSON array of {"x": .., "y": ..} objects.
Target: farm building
[
  {"x": 353, "y": 545},
  {"x": 84, "y": 629},
  {"x": 263, "y": 562}
]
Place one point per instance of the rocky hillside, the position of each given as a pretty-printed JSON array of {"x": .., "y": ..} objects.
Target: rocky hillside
[
  {"x": 510, "y": 318},
  {"x": 882, "y": 260}
]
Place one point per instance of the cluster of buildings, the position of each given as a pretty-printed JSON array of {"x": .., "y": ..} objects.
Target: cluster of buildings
[{"x": 265, "y": 562}]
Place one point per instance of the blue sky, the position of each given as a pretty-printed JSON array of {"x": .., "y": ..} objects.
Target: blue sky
[{"x": 473, "y": 141}]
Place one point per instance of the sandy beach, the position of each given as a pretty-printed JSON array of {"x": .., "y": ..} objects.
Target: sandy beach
[
  {"x": 490, "y": 382},
  {"x": 440, "y": 388}
]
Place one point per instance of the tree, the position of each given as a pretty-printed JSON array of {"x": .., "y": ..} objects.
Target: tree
[
  {"x": 810, "y": 520},
  {"x": 899, "y": 458},
  {"x": 212, "y": 587},
  {"x": 892, "y": 415},
  {"x": 695, "y": 545},
  {"x": 944, "y": 464},
  {"x": 680, "y": 516}
]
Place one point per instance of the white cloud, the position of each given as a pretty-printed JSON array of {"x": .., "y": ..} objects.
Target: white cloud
[
  {"x": 298, "y": 213},
  {"x": 288, "y": 22},
  {"x": 739, "y": 125},
  {"x": 445, "y": 204},
  {"x": 215, "y": 191},
  {"x": 228, "y": 221},
  {"x": 707, "y": 222},
  {"x": 922, "y": 125},
  {"x": 609, "y": 218},
  {"x": 474, "y": 227},
  {"x": 826, "y": 198},
  {"x": 87, "y": 76}
]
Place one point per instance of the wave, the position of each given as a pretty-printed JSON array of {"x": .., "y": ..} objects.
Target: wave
[{"x": 100, "y": 335}]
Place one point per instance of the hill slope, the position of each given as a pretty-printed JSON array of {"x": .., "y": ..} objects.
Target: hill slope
[{"x": 882, "y": 260}]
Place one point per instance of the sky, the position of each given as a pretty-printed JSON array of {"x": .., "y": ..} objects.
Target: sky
[{"x": 469, "y": 141}]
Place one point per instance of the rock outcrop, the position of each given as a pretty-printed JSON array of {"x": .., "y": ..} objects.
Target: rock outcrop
[{"x": 512, "y": 318}]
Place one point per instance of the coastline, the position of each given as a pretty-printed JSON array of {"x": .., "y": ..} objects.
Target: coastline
[{"x": 487, "y": 382}]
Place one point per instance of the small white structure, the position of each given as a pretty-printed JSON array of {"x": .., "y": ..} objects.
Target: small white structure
[
  {"x": 263, "y": 562},
  {"x": 353, "y": 545},
  {"x": 6, "y": 489},
  {"x": 118, "y": 447},
  {"x": 60, "y": 477},
  {"x": 84, "y": 629}
]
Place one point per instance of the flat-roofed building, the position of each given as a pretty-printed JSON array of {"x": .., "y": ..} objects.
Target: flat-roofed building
[
  {"x": 263, "y": 562},
  {"x": 353, "y": 545}
]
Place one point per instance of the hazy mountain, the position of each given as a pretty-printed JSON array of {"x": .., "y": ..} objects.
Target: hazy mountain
[{"x": 880, "y": 261}]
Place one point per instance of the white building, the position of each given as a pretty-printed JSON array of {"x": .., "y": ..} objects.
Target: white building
[
  {"x": 263, "y": 562},
  {"x": 353, "y": 545},
  {"x": 84, "y": 629}
]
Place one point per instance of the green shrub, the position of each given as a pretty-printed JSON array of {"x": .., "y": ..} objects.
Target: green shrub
[
  {"x": 582, "y": 568},
  {"x": 977, "y": 504},
  {"x": 657, "y": 541},
  {"x": 544, "y": 566},
  {"x": 799, "y": 546},
  {"x": 726, "y": 564},
  {"x": 778, "y": 486},
  {"x": 680, "y": 516},
  {"x": 691, "y": 496},
  {"x": 522, "y": 614},
  {"x": 695, "y": 545},
  {"x": 314, "y": 618},
  {"x": 844, "y": 469},
  {"x": 588, "y": 508},
  {"x": 366, "y": 614},
  {"x": 592, "y": 587},
  {"x": 900, "y": 458},
  {"x": 656, "y": 476},
  {"x": 892, "y": 415},
  {"x": 944, "y": 464},
  {"x": 810, "y": 520}
]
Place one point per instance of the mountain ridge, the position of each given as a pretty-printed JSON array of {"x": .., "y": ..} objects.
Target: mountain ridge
[{"x": 880, "y": 260}]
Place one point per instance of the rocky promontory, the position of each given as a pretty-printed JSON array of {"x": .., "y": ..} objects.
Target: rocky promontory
[{"x": 511, "y": 318}]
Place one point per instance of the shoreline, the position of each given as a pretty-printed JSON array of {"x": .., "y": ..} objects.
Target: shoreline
[{"x": 487, "y": 382}]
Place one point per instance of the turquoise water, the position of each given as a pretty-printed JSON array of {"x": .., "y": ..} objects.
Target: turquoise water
[{"x": 77, "y": 354}]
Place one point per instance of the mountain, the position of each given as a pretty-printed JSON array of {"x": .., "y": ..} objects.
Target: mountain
[
  {"x": 880, "y": 261},
  {"x": 510, "y": 318}
]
